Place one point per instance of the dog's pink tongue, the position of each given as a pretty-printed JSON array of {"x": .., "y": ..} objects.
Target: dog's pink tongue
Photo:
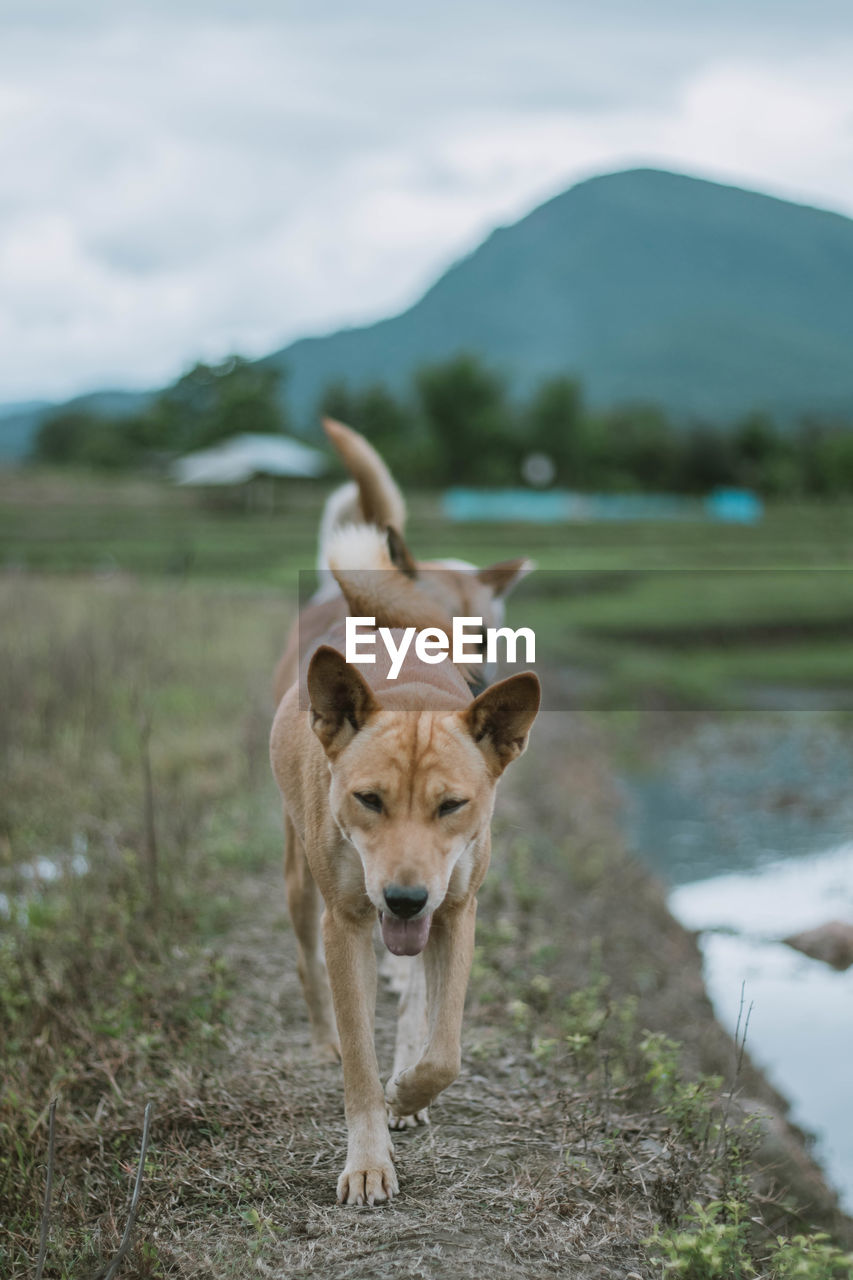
[{"x": 405, "y": 937}]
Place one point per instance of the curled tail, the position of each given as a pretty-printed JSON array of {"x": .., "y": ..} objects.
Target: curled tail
[
  {"x": 379, "y": 497},
  {"x": 371, "y": 497}
]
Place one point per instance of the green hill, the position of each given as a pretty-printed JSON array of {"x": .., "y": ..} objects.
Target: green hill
[
  {"x": 707, "y": 299},
  {"x": 649, "y": 286}
]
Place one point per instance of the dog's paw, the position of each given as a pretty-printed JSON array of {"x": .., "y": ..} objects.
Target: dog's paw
[
  {"x": 396, "y": 1100},
  {"x": 408, "y": 1122},
  {"x": 368, "y": 1186},
  {"x": 410, "y": 1092}
]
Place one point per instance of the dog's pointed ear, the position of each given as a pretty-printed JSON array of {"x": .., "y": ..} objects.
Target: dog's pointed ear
[
  {"x": 500, "y": 719},
  {"x": 501, "y": 578},
  {"x": 401, "y": 556},
  {"x": 341, "y": 699}
]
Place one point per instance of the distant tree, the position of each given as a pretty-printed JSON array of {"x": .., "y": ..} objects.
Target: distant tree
[
  {"x": 386, "y": 418},
  {"x": 211, "y": 402},
  {"x": 249, "y": 398},
  {"x": 763, "y": 457},
  {"x": 825, "y": 453},
  {"x": 650, "y": 448},
  {"x": 706, "y": 459},
  {"x": 60, "y": 438},
  {"x": 77, "y": 437},
  {"x": 206, "y": 404},
  {"x": 468, "y": 417},
  {"x": 338, "y": 401},
  {"x": 633, "y": 447},
  {"x": 839, "y": 459},
  {"x": 555, "y": 424},
  {"x": 387, "y": 422},
  {"x": 808, "y": 449},
  {"x": 375, "y": 411},
  {"x": 107, "y": 446},
  {"x": 755, "y": 439}
]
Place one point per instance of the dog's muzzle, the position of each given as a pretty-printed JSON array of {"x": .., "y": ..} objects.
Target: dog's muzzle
[{"x": 402, "y": 934}]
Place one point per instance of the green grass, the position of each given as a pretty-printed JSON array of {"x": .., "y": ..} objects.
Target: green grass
[
  {"x": 52, "y": 523},
  {"x": 60, "y": 523},
  {"x": 691, "y": 612},
  {"x": 671, "y": 604}
]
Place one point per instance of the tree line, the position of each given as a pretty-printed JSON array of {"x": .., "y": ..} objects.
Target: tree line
[{"x": 459, "y": 424}]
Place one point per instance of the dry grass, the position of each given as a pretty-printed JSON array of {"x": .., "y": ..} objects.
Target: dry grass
[
  {"x": 109, "y": 976},
  {"x": 552, "y": 1155}
]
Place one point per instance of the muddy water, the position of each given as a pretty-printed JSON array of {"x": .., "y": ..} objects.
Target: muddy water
[{"x": 751, "y": 825}]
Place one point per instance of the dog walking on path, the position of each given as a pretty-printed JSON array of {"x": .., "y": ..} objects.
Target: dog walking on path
[{"x": 388, "y": 789}]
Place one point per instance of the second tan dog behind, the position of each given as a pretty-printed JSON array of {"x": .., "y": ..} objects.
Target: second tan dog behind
[
  {"x": 373, "y": 498},
  {"x": 388, "y": 790}
]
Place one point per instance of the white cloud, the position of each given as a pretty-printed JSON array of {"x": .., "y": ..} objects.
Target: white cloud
[{"x": 182, "y": 182}]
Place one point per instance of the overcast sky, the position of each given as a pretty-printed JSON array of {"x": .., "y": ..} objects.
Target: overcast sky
[{"x": 182, "y": 180}]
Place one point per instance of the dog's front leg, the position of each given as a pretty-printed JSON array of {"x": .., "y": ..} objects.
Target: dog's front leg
[
  {"x": 447, "y": 963},
  {"x": 411, "y": 1027},
  {"x": 368, "y": 1175}
]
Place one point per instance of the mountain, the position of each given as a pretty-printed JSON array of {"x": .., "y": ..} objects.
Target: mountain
[
  {"x": 707, "y": 299},
  {"x": 650, "y": 286}
]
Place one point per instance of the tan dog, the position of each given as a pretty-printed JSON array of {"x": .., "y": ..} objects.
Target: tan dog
[
  {"x": 373, "y": 498},
  {"x": 388, "y": 790}
]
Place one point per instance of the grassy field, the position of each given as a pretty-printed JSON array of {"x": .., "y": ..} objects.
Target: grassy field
[
  {"x": 145, "y": 958},
  {"x": 133, "y": 751},
  {"x": 688, "y": 614},
  {"x": 54, "y": 523}
]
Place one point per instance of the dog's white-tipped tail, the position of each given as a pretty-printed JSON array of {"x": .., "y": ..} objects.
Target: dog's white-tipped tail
[{"x": 379, "y": 497}]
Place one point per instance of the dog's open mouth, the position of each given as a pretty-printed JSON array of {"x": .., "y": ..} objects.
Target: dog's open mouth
[{"x": 404, "y": 937}]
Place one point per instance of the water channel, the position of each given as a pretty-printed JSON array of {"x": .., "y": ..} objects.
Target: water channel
[{"x": 749, "y": 821}]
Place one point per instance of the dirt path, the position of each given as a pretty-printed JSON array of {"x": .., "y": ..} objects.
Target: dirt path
[
  {"x": 468, "y": 1181},
  {"x": 538, "y": 1162}
]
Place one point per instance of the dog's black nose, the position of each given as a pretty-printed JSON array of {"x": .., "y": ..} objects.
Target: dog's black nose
[{"x": 405, "y": 902}]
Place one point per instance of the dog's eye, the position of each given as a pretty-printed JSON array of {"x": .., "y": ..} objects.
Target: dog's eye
[
  {"x": 450, "y": 806},
  {"x": 370, "y": 800}
]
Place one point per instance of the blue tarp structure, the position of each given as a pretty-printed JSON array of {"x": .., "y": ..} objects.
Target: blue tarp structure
[
  {"x": 740, "y": 506},
  {"x": 559, "y": 506}
]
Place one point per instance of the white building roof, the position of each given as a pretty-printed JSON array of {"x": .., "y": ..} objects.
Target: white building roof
[{"x": 236, "y": 460}]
